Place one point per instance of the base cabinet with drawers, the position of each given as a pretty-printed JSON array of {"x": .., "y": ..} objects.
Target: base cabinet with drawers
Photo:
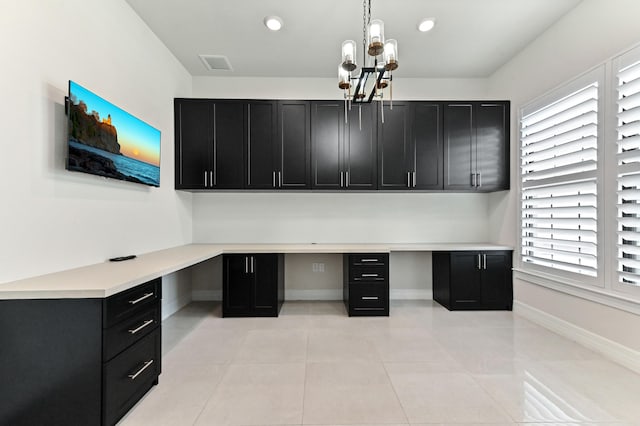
[
  {"x": 78, "y": 361},
  {"x": 473, "y": 280},
  {"x": 252, "y": 285},
  {"x": 366, "y": 284}
]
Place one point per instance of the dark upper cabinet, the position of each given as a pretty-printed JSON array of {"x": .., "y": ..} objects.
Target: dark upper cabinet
[
  {"x": 395, "y": 146},
  {"x": 193, "y": 147},
  {"x": 360, "y": 155},
  {"x": 410, "y": 146},
  {"x": 343, "y": 153},
  {"x": 426, "y": 147},
  {"x": 209, "y": 142},
  {"x": 492, "y": 133},
  {"x": 293, "y": 147},
  {"x": 476, "y": 149},
  {"x": 228, "y": 144},
  {"x": 327, "y": 123},
  {"x": 261, "y": 148}
]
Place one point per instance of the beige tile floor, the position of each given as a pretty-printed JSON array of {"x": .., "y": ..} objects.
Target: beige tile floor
[{"x": 422, "y": 365}]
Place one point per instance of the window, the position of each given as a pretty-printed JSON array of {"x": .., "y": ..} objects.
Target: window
[
  {"x": 628, "y": 173},
  {"x": 559, "y": 169}
]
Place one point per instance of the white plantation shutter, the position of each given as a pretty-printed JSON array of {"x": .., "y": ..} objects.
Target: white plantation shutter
[
  {"x": 628, "y": 174},
  {"x": 559, "y": 154}
]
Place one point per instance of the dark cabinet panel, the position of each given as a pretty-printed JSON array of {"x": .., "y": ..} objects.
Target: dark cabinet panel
[
  {"x": 253, "y": 285},
  {"x": 476, "y": 146},
  {"x": 327, "y": 122},
  {"x": 261, "y": 154},
  {"x": 427, "y": 153},
  {"x": 394, "y": 147},
  {"x": 193, "y": 144},
  {"x": 293, "y": 150},
  {"x": 360, "y": 148},
  {"x": 473, "y": 279},
  {"x": 492, "y": 124},
  {"x": 228, "y": 145},
  {"x": 459, "y": 147}
]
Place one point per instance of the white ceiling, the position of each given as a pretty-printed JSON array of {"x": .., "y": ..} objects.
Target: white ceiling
[{"x": 472, "y": 38}]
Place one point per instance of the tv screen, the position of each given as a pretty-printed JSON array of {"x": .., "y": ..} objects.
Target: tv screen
[{"x": 106, "y": 141}]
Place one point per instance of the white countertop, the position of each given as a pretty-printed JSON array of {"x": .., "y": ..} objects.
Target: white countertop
[{"x": 108, "y": 278}]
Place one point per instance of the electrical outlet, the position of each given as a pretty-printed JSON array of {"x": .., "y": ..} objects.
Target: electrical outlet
[
  {"x": 317, "y": 267},
  {"x": 320, "y": 267}
]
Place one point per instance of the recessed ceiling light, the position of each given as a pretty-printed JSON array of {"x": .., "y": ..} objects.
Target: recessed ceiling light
[
  {"x": 426, "y": 25},
  {"x": 274, "y": 23}
]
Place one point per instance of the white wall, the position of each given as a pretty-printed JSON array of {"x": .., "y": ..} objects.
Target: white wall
[
  {"x": 593, "y": 32},
  {"x": 52, "y": 219}
]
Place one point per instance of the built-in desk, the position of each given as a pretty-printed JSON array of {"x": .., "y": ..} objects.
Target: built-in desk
[{"x": 82, "y": 346}]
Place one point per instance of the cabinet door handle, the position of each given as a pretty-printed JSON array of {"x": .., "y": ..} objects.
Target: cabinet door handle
[
  {"x": 341, "y": 180},
  {"x": 408, "y": 179},
  {"x": 205, "y": 179},
  {"x": 279, "y": 179},
  {"x": 370, "y": 298},
  {"x": 414, "y": 179},
  {"x": 211, "y": 182},
  {"x": 252, "y": 264},
  {"x": 479, "y": 264},
  {"x": 479, "y": 180},
  {"x": 369, "y": 275},
  {"x": 139, "y": 372},
  {"x": 246, "y": 264},
  {"x": 274, "y": 179},
  {"x": 140, "y": 299},
  {"x": 346, "y": 174},
  {"x": 369, "y": 260},
  {"x": 144, "y": 324},
  {"x": 473, "y": 180},
  {"x": 484, "y": 261}
]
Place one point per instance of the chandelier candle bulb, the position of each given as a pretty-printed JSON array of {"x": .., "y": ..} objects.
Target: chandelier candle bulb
[
  {"x": 391, "y": 54},
  {"x": 376, "y": 37},
  {"x": 343, "y": 78},
  {"x": 349, "y": 55}
]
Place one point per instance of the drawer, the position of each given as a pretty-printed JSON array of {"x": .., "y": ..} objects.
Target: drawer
[
  {"x": 371, "y": 259},
  {"x": 131, "y": 302},
  {"x": 129, "y": 376},
  {"x": 127, "y": 332},
  {"x": 368, "y": 273},
  {"x": 368, "y": 296}
]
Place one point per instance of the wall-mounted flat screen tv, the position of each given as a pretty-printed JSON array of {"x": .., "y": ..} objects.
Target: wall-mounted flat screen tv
[{"x": 106, "y": 141}]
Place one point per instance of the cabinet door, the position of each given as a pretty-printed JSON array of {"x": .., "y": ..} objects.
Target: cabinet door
[
  {"x": 228, "y": 144},
  {"x": 466, "y": 292},
  {"x": 492, "y": 134},
  {"x": 327, "y": 123},
  {"x": 360, "y": 153},
  {"x": 459, "y": 146},
  {"x": 427, "y": 146},
  {"x": 265, "y": 269},
  {"x": 394, "y": 146},
  {"x": 293, "y": 150},
  {"x": 193, "y": 143},
  {"x": 496, "y": 282},
  {"x": 237, "y": 291},
  {"x": 261, "y": 145}
]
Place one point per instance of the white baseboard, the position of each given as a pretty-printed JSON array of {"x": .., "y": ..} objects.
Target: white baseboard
[
  {"x": 330, "y": 294},
  {"x": 621, "y": 354},
  {"x": 207, "y": 295},
  {"x": 171, "y": 307},
  {"x": 410, "y": 294}
]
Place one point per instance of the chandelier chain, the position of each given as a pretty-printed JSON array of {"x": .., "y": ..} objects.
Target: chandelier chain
[{"x": 364, "y": 29}]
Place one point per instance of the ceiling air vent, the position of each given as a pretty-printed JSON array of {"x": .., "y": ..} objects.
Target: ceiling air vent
[{"x": 216, "y": 62}]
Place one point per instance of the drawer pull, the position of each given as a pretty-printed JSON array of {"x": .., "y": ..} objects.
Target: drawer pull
[
  {"x": 370, "y": 298},
  {"x": 369, "y": 260},
  {"x": 144, "y": 324},
  {"x": 146, "y": 296},
  {"x": 144, "y": 367},
  {"x": 369, "y": 275}
]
